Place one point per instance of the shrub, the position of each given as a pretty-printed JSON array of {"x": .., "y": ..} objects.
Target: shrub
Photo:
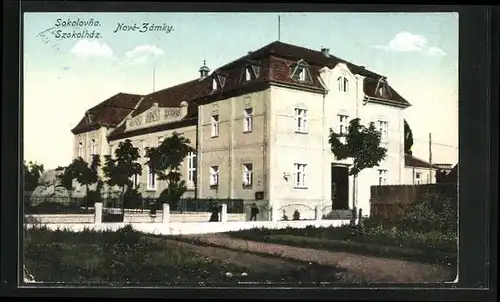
[
  {"x": 296, "y": 215},
  {"x": 284, "y": 216},
  {"x": 132, "y": 199},
  {"x": 92, "y": 197}
]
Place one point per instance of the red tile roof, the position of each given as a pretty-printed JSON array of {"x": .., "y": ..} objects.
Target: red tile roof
[
  {"x": 276, "y": 61},
  {"x": 412, "y": 161},
  {"x": 108, "y": 113}
]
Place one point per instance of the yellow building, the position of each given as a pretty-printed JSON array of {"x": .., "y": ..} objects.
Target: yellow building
[{"x": 260, "y": 125}]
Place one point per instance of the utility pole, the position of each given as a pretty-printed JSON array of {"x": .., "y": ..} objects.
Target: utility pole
[
  {"x": 430, "y": 159},
  {"x": 279, "y": 27},
  {"x": 154, "y": 71}
]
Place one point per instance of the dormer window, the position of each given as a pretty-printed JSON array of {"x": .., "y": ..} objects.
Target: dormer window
[
  {"x": 248, "y": 77},
  {"x": 300, "y": 72},
  {"x": 252, "y": 71},
  {"x": 343, "y": 84},
  {"x": 89, "y": 117},
  {"x": 218, "y": 81},
  {"x": 382, "y": 90}
]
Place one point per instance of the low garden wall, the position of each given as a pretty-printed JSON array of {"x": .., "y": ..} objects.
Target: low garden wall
[
  {"x": 187, "y": 228},
  {"x": 128, "y": 218}
]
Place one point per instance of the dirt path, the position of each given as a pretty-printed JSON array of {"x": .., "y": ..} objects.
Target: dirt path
[
  {"x": 260, "y": 265},
  {"x": 358, "y": 268}
]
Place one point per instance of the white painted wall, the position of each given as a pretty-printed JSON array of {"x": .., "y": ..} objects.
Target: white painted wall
[
  {"x": 194, "y": 228},
  {"x": 425, "y": 178}
]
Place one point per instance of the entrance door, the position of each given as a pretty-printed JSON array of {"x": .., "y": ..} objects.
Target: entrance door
[{"x": 340, "y": 188}]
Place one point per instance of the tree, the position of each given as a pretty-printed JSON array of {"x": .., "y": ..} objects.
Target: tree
[
  {"x": 120, "y": 168},
  {"x": 32, "y": 173},
  {"x": 66, "y": 177},
  {"x": 408, "y": 139},
  {"x": 86, "y": 174},
  {"x": 165, "y": 161},
  {"x": 362, "y": 144}
]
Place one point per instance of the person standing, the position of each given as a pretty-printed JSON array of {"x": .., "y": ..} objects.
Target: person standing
[{"x": 254, "y": 210}]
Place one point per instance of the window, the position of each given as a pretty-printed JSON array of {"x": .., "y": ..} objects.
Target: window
[
  {"x": 247, "y": 120},
  {"x": 192, "y": 164},
  {"x": 151, "y": 180},
  {"x": 248, "y": 76},
  {"x": 343, "y": 84},
  {"x": 214, "y": 176},
  {"x": 300, "y": 176},
  {"x": 343, "y": 123},
  {"x": 383, "y": 128},
  {"x": 80, "y": 149},
  {"x": 382, "y": 177},
  {"x": 247, "y": 175},
  {"x": 418, "y": 178},
  {"x": 92, "y": 147},
  {"x": 301, "y": 73},
  {"x": 135, "y": 181},
  {"x": 214, "y": 84},
  {"x": 301, "y": 120},
  {"x": 215, "y": 125}
]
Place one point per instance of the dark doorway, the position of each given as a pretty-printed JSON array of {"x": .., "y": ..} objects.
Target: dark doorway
[{"x": 340, "y": 188}]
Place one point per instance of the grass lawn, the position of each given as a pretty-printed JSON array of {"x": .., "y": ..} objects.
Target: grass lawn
[
  {"x": 434, "y": 247},
  {"x": 128, "y": 256}
]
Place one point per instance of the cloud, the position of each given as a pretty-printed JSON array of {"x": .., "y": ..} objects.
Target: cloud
[
  {"x": 86, "y": 48},
  {"x": 141, "y": 53},
  {"x": 408, "y": 42}
]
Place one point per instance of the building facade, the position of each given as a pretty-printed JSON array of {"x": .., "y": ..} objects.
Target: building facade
[{"x": 260, "y": 125}]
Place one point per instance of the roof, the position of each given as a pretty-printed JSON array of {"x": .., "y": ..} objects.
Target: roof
[
  {"x": 108, "y": 113},
  {"x": 412, "y": 161},
  {"x": 276, "y": 62}
]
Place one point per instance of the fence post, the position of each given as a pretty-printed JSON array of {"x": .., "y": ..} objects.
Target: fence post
[
  {"x": 165, "y": 213},
  {"x": 317, "y": 214},
  {"x": 223, "y": 214},
  {"x": 98, "y": 212}
]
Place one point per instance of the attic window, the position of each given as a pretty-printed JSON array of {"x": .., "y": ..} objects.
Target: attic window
[
  {"x": 301, "y": 72},
  {"x": 247, "y": 74},
  {"x": 382, "y": 90},
  {"x": 214, "y": 84},
  {"x": 256, "y": 71},
  {"x": 89, "y": 117}
]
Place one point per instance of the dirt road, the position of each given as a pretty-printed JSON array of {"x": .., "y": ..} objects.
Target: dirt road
[{"x": 356, "y": 268}]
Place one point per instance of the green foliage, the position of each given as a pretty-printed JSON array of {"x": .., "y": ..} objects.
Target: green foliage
[
  {"x": 165, "y": 161},
  {"x": 120, "y": 168},
  {"x": 56, "y": 208},
  {"x": 66, "y": 177},
  {"x": 362, "y": 144},
  {"x": 92, "y": 197},
  {"x": 32, "y": 172},
  {"x": 121, "y": 257},
  {"x": 132, "y": 199},
  {"x": 296, "y": 215},
  {"x": 408, "y": 139}
]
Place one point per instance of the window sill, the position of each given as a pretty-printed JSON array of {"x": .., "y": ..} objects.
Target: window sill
[
  {"x": 214, "y": 187},
  {"x": 214, "y": 136},
  {"x": 247, "y": 187},
  {"x": 151, "y": 190},
  {"x": 301, "y": 132},
  {"x": 247, "y": 131},
  {"x": 300, "y": 187}
]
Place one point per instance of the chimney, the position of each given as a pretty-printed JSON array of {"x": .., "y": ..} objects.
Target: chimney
[
  {"x": 325, "y": 52},
  {"x": 204, "y": 70}
]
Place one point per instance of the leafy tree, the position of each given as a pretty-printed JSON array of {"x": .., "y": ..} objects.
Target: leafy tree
[
  {"x": 362, "y": 144},
  {"x": 165, "y": 162},
  {"x": 408, "y": 139},
  {"x": 66, "y": 177},
  {"x": 32, "y": 173},
  {"x": 86, "y": 174},
  {"x": 120, "y": 168}
]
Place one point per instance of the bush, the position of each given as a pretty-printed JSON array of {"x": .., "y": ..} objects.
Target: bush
[
  {"x": 56, "y": 208},
  {"x": 92, "y": 197},
  {"x": 132, "y": 199},
  {"x": 296, "y": 215}
]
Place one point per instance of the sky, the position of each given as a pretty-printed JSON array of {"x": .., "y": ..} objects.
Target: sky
[{"x": 65, "y": 74}]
